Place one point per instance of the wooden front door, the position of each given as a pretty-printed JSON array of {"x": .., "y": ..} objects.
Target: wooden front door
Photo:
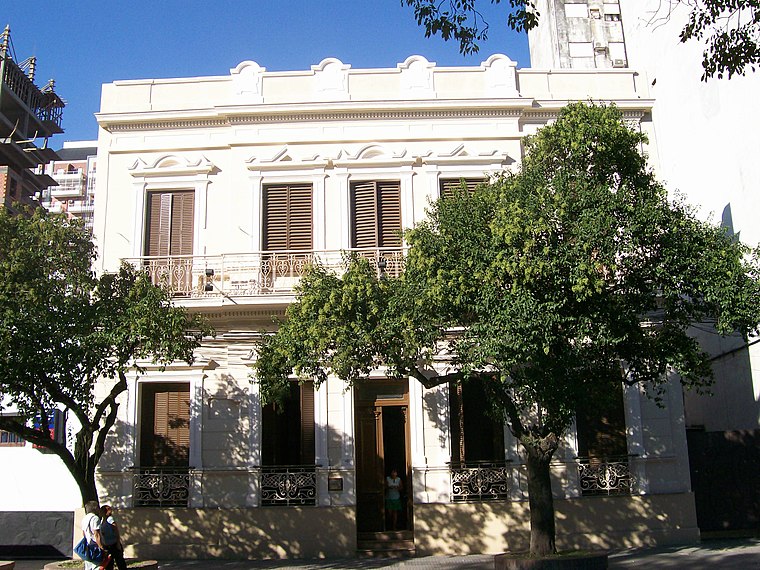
[
  {"x": 369, "y": 469},
  {"x": 382, "y": 444}
]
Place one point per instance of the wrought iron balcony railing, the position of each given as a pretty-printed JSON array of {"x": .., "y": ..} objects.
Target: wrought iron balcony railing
[
  {"x": 480, "y": 481},
  {"x": 254, "y": 274},
  {"x": 609, "y": 477},
  {"x": 161, "y": 487},
  {"x": 288, "y": 485}
]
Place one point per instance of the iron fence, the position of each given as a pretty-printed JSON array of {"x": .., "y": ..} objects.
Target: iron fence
[{"x": 288, "y": 485}]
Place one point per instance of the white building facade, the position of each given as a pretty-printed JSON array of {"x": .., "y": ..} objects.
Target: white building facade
[{"x": 225, "y": 187}]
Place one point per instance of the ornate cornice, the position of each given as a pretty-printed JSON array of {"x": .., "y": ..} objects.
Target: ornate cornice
[{"x": 316, "y": 116}]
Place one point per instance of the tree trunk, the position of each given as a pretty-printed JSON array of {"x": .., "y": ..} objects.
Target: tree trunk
[
  {"x": 87, "y": 488},
  {"x": 542, "y": 531},
  {"x": 83, "y": 466}
]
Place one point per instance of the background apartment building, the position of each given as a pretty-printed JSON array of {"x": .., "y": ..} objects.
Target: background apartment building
[
  {"x": 74, "y": 172},
  {"x": 29, "y": 115}
]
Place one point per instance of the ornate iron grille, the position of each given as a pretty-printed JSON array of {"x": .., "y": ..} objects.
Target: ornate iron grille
[
  {"x": 286, "y": 485},
  {"x": 162, "y": 487},
  {"x": 480, "y": 481},
  {"x": 611, "y": 477}
]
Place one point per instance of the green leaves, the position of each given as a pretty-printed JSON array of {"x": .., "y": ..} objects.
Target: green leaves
[
  {"x": 730, "y": 29},
  {"x": 336, "y": 327},
  {"x": 460, "y": 20},
  {"x": 557, "y": 279},
  {"x": 63, "y": 328}
]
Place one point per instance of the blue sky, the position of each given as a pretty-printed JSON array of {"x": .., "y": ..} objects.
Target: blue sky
[{"x": 83, "y": 44}]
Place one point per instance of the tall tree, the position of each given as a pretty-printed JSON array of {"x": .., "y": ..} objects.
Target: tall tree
[
  {"x": 559, "y": 282},
  {"x": 64, "y": 328},
  {"x": 729, "y": 29}
]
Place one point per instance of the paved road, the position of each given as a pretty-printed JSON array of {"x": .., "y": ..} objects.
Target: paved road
[{"x": 741, "y": 554}]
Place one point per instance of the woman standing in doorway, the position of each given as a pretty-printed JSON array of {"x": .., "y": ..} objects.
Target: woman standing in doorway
[{"x": 393, "y": 486}]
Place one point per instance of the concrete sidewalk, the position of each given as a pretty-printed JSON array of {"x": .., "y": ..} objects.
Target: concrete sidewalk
[{"x": 735, "y": 554}]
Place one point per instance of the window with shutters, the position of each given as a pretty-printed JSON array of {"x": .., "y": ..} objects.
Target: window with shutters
[
  {"x": 170, "y": 223},
  {"x": 169, "y": 239},
  {"x": 601, "y": 428},
  {"x": 478, "y": 469},
  {"x": 448, "y": 186},
  {"x": 603, "y": 466},
  {"x": 287, "y": 430},
  {"x": 376, "y": 214},
  {"x": 475, "y": 434},
  {"x": 287, "y": 220},
  {"x": 165, "y": 425}
]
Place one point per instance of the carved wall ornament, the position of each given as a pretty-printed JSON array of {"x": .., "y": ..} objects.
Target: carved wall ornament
[
  {"x": 171, "y": 165},
  {"x": 247, "y": 82},
  {"x": 331, "y": 79},
  {"x": 500, "y": 76},
  {"x": 417, "y": 76}
]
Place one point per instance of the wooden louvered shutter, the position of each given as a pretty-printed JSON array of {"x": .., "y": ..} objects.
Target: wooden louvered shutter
[
  {"x": 287, "y": 220},
  {"x": 158, "y": 239},
  {"x": 275, "y": 227},
  {"x": 449, "y": 186},
  {"x": 183, "y": 206},
  {"x": 389, "y": 219},
  {"x": 170, "y": 223},
  {"x": 299, "y": 217},
  {"x": 171, "y": 426},
  {"x": 456, "y": 422},
  {"x": 307, "y": 424},
  {"x": 364, "y": 223}
]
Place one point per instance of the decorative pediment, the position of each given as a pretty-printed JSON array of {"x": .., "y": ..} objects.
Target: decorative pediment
[
  {"x": 284, "y": 158},
  {"x": 171, "y": 165},
  {"x": 374, "y": 152},
  {"x": 462, "y": 155},
  {"x": 373, "y": 155}
]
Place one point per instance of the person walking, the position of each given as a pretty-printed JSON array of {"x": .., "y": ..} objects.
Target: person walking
[
  {"x": 91, "y": 531},
  {"x": 111, "y": 538}
]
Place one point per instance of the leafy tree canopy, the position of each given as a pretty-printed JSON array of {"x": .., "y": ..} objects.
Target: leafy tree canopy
[
  {"x": 63, "y": 328},
  {"x": 558, "y": 282},
  {"x": 730, "y": 29}
]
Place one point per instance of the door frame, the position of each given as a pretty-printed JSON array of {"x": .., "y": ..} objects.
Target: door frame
[{"x": 369, "y": 397}]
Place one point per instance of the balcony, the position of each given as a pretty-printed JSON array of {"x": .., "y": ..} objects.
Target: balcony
[
  {"x": 70, "y": 185},
  {"x": 257, "y": 274}
]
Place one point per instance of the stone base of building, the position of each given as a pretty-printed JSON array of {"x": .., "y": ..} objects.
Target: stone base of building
[
  {"x": 587, "y": 523},
  {"x": 239, "y": 533}
]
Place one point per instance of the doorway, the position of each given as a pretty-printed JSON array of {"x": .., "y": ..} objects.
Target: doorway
[{"x": 382, "y": 444}]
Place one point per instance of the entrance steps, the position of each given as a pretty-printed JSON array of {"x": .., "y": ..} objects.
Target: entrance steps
[{"x": 388, "y": 544}]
